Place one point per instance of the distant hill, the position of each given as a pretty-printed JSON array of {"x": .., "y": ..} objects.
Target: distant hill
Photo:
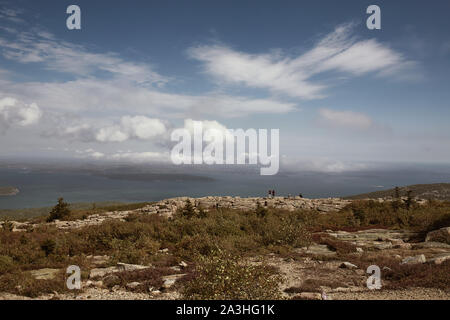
[{"x": 437, "y": 191}]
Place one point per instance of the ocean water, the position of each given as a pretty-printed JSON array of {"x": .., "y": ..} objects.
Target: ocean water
[{"x": 41, "y": 188}]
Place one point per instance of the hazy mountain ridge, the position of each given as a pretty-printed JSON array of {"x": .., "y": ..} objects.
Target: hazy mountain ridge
[{"x": 437, "y": 191}]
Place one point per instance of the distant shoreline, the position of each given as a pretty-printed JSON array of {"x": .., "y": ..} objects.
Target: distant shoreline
[{"x": 9, "y": 191}]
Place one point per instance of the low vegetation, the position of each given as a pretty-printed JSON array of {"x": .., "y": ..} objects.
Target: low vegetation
[
  {"x": 214, "y": 242},
  {"x": 221, "y": 276},
  {"x": 365, "y": 214}
]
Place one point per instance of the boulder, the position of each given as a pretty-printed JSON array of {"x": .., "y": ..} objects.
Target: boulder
[
  {"x": 133, "y": 285},
  {"x": 98, "y": 260},
  {"x": 309, "y": 296},
  {"x": 101, "y": 272},
  {"x": 130, "y": 267},
  {"x": 382, "y": 245},
  {"x": 431, "y": 244},
  {"x": 440, "y": 235},
  {"x": 318, "y": 249},
  {"x": 111, "y": 281},
  {"x": 348, "y": 265},
  {"x": 404, "y": 246},
  {"x": 414, "y": 260},
  {"x": 45, "y": 274},
  {"x": 439, "y": 258},
  {"x": 169, "y": 281}
]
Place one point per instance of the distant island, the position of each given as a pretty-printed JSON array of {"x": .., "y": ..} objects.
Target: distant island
[
  {"x": 8, "y": 191},
  {"x": 436, "y": 191}
]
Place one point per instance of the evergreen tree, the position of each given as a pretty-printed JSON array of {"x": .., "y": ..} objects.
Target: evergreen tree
[
  {"x": 188, "y": 210},
  {"x": 60, "y": 211},
  {"x": 409, "y": 200}
]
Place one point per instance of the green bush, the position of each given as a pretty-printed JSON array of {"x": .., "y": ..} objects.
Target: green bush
[
  {"x": 6, "y": 264},
  {"x": 48, "y": 246},
  {"x": 222, "y": 277}
]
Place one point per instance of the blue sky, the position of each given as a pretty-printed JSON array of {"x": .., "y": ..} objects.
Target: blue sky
[{"x": 341, "y": 95}]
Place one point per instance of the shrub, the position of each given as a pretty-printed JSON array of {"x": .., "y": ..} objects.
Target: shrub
[
  {"x": 23, "y": 283},
  {"x": 48, "y": 246},
  {"x": 7, "y": 226},
  {"x": 260, "y": 210},
  {"x": 6, "y": 264},
  {"x": 222, "y": 277}
]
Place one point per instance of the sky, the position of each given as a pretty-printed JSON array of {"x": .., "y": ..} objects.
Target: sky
[{"x": 342, "y": 96}]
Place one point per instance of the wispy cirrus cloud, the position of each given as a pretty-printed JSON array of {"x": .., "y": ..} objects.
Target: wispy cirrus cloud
[
  {"x": 293, "y": 75},
  {"x": 105, "y": 82},
  {"x": 38, "y": 46},
  {"x": 12, "y": 15}
]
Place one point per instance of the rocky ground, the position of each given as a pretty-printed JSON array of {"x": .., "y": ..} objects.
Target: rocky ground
[
  {"x": 168, "y": 207},
  {"x": 317, "y": 266}
]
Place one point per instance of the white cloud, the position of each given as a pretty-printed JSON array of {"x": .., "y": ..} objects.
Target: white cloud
[
  {"x": 103, "y": 96},
  {"x": 138, "y": 127},
  {"x": 127, "y": 128},
  {"x": 64, "y": 57},
  {"x": 338, "y": 51},
  {"x": 321, "y": 164},
  {"x": 90, "y": 153},
  {"x": 16, "y": 113},
  {"x": 139, "y": 156},
  {"x": 206, "y": 125},
  {"x": 348, "y": 119},
  {"x": 123, "y": 84}
]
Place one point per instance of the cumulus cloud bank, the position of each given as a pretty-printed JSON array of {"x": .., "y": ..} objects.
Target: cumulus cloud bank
[
  {"x": 16, "y": 113},
  {"x": 138, "y": 127},
  {"x": 127, "y": 128}
]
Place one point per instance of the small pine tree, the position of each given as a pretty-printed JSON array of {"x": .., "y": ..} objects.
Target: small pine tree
[
  {"x": 260, "y": 210},
  {"x": 397, "y": 193},
  {"x": 396, "y": 204},
  {"x": 202, "y": 213},
  {"x": 188, "y": 210},
  {"x": 409, "y": 200},
  {"x": 60, "y": 211}
]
